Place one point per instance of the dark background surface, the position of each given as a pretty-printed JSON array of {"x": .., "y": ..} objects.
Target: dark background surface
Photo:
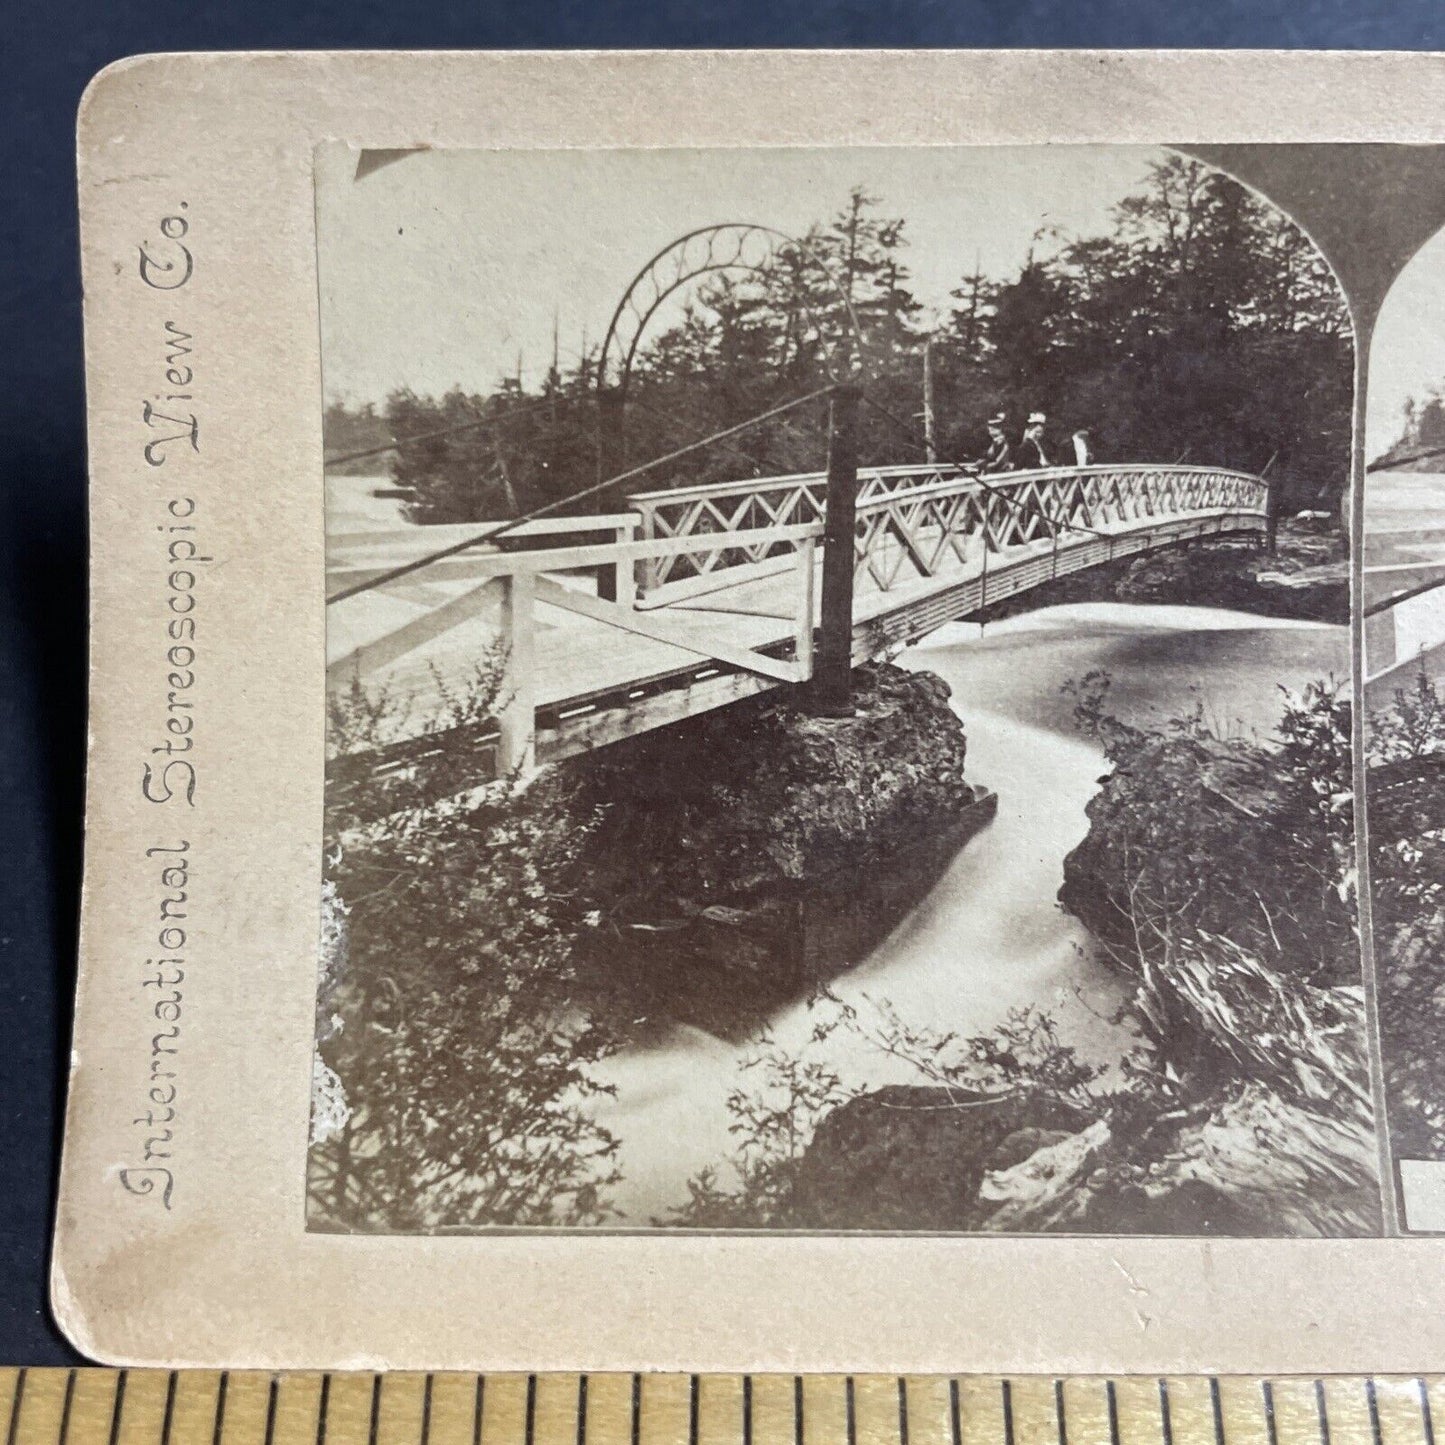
[{"x": 53, "y": 49}]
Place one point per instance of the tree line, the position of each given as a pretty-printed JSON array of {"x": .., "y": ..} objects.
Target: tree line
[
  {"x": 1202, "y": 326},
  {"x": 1422, "y": 428}
]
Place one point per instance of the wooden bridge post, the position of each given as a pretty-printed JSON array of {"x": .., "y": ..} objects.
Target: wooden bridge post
[
  {"x": 833, "y": 671},
  {"x": 610, "y": 452},
  {"x": 1272, "y": 502},
  {"x": 805, "y": 569},
  {"x": 518, "y": 715},
  {"x": 617, "y": 581}
]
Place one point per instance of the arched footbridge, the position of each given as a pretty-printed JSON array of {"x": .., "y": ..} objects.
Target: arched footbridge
[{"x": 692, "y": 598}]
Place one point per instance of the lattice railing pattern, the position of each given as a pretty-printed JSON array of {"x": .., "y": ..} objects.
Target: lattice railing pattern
[
  {"x": 755, "y": 503},
  {"x": 915, "y": 521}
]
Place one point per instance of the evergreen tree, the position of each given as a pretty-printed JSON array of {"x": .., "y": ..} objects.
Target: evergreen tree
[{"x": 1201, "y": 325}]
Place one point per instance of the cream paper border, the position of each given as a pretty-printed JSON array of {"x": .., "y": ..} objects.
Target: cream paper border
[{"x": 225, "y": 1274}]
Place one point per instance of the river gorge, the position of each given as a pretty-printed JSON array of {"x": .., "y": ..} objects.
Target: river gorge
[{"x": 989, "y": 935}]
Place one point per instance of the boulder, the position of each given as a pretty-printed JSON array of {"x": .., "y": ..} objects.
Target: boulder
[{"x": 914, "y": 1156}]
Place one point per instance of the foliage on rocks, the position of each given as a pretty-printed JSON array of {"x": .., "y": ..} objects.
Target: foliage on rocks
[
  {"x": 1194, "y": 831},
  {"x": 1220, "y": 874},
  {"x": 1407, "y": 870},
  {"x": 483, "y": 948},
  {"x": 1243, "y": 1108},
  {"x": 814, "y": 1155}
]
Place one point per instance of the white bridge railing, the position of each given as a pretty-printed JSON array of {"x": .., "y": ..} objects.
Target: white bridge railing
[
  {"x": 914, "y": 520},
  {"x": 506, "y": 587},
  {"x": 1403, "y": 633}
]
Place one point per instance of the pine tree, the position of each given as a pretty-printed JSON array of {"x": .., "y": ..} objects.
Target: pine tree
[{"x": 1201, "y": 324}]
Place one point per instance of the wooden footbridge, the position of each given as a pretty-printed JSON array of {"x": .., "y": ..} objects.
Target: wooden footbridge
[
  {"x": 692, "y": 598},
  {"x": 1403, "y": 571}
]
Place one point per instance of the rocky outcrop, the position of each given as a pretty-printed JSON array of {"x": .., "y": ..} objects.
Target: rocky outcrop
[
  {"x": 1173, "y": 798},
  {"x": 755, "y": 851},
  {"x": 918, "y": 1156},
  {"x": 1305, "y": 577},
  {"x": 1191, "y": 834}
]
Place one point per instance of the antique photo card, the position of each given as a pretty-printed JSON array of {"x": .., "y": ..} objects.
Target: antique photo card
[
  {"x": 718, "y": 955},
  {"x": 728, "y": 688}
]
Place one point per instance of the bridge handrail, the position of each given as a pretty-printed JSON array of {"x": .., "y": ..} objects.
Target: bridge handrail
[
  {"x": 945, "y": 471},
  {"x": 1007, "y": 481},
  {"x": 434, "y": 532},
  {"x": 787, "y": 479},
  {"x": 1002, "y": 507},
  {"x": 494, "y": 563}
]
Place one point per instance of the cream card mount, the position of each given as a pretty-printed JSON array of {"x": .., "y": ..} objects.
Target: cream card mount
[{"x": 762, "y": 711}]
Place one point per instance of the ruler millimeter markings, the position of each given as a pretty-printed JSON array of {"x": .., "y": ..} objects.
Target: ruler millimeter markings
[{"x": 245, "y": 1407}]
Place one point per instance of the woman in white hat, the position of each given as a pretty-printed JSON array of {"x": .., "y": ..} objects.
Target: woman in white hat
[
  {"x": 1031, "y": 444},
  {"x": 999, "y": 456}
]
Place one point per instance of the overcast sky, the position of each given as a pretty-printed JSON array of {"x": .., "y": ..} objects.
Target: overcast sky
[
  {"x": 439, "y": 268},
  {"x": 1408, "y": 355}
]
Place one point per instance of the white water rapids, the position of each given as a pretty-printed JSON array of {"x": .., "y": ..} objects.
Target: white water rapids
[{"x": 989, "y": 936}]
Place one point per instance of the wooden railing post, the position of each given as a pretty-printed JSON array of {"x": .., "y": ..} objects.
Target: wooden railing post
[
  {"x": 518, "y": 748},
  {"x": 803, "y": 637},
  {"x": 1271, "y": 512},
  {"x": 833, "y": 672},
  {"x": 646, "y": 572},
  {"x": 611, "y": 445},
  {"x": 625, "y": 583},
  {"x": 617, "y": 581}
]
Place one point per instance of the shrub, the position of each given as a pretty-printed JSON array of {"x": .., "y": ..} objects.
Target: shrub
[{"x": 453, "y": 1073}]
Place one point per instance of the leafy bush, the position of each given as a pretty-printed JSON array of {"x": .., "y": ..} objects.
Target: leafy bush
[
  {"x": 773, "y": 1123},
  {"x": 454, "y": 1064},
  {"x": 1407, "y": 872},
  {"x": 772, "y": 1178}
]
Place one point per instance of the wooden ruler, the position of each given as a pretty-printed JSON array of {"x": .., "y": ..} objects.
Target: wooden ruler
[{"x": 200, "y": 1407}]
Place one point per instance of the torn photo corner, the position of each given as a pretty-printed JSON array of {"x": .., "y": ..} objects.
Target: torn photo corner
[{"x": 763, "y": 710}]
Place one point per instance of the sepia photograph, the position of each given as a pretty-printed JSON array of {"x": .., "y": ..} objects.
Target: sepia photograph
[
  {"x": 1403, "y": 606},
  {"x": 839, "y": 697}
]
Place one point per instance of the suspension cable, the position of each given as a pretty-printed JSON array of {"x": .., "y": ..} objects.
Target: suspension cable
[{"x": 406, "y": 568}]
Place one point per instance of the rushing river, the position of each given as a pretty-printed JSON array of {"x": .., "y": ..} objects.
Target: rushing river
[{"x": 989, "y": 937}]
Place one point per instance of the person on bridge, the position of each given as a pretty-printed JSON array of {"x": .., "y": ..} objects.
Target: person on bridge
[
  {"x": 1031, "y": 444},
  {"x": 1083, "y": 452},
  {"x": 999, "y": 455}
]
